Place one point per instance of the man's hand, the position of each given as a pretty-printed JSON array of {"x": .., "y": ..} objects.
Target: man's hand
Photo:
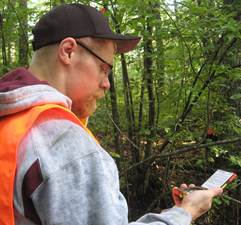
[
  {"x": 196, "y": 202},
  {"x": 199, "y": 201}
]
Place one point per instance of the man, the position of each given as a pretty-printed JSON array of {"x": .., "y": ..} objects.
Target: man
[{"x": 58, "y": 171}]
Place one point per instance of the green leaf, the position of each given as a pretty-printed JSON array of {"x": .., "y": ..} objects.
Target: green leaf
[
  {"x": 115, "y": 155},
  {"x": 236, "y": 96},
  {"x": 236, "y": 161}
]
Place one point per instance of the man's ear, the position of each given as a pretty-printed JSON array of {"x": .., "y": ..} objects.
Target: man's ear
[{"x": 66, "y": 47}]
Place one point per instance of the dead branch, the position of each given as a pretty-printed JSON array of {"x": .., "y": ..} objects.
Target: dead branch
[{"x": 190, "y": 148}]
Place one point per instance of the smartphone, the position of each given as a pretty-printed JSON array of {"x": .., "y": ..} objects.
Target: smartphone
[{"x": 219, "y": 179}]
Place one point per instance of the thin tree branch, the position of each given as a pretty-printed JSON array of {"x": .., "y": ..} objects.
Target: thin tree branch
[
  {"x": 208, "y": 80},
  {"x": 183, "y": 150},
  {"x": 183, "y": 40}
]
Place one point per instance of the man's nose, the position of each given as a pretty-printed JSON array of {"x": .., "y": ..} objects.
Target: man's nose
[{"x": 105, "y": 83}]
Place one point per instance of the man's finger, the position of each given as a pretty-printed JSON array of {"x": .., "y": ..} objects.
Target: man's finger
[
  {"x": 216, "y": 191},
  {"x": 183, "y": 186}
]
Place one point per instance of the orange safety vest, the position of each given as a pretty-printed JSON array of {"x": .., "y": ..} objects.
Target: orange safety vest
[{"x": 12, "y": 130}]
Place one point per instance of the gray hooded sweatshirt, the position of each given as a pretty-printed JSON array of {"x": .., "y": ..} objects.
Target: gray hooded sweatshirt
[{"x": 63, "y": 176}]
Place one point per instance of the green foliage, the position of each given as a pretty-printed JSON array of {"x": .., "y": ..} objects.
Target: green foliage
[{"x": 235, "y": 160}]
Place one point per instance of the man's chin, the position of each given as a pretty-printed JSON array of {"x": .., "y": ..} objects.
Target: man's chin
[
  {"x": 91, "y": 111},
  {"x": 85, "y": 113}
]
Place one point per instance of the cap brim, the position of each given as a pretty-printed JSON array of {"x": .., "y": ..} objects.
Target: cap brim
[{"x": 125, "y": 43}]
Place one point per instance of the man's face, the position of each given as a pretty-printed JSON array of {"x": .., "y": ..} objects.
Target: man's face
[{"x": 88, "y": 78}]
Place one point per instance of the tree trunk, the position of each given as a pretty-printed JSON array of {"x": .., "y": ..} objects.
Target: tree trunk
[
  {"x": 159, "y": 59},
  {"x": 4, "y": 53},
  {"x": 140, "y": 116},
  {"x": 23, "y": 34},
  {"x": 129, "y": 108},
  {"x": 148, "y": 62},
  {"x": 127, "y": 92},
  {"x": 115, "y": 114}
]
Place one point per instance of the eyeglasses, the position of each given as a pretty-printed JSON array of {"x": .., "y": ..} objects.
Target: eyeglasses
[{"x": 110, "y": 67}]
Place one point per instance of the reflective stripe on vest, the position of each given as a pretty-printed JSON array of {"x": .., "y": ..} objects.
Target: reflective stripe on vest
[{"x": 12, "y": 130}]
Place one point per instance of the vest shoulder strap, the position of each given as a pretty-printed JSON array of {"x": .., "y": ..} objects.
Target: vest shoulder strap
[{"x": 12, "y": 130}]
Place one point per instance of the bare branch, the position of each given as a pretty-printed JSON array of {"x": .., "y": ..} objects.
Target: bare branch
[
  {"x": 199, "y": 147},
  {"x": 183, "y": 150}
]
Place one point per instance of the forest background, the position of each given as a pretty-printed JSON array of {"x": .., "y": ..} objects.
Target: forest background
[{"x": 173, "y": 112}]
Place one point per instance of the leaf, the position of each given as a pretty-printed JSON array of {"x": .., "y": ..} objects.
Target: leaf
[
  {"x": 115, "y": 155},
  {"x": 236, "y": 97},
  {"x": 236, "y": 161},
  {"x": 217, "y": 201}
]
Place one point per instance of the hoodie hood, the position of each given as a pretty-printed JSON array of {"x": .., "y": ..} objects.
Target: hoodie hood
[{"x": 20, "y": 90}]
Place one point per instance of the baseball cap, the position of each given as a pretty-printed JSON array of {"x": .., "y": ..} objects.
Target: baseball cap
[{"x": 77, "y": 20}]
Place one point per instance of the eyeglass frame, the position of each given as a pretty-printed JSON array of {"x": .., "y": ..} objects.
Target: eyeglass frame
[{"x": 94, "y": 54}]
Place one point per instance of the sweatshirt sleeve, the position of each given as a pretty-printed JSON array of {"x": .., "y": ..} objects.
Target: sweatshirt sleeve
[
  {"x": 172, "y": 216},
  {"x": 80, "y": 183}
]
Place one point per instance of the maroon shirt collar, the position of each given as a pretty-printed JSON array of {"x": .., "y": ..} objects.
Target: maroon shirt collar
[{"x": 18, "y": 78}]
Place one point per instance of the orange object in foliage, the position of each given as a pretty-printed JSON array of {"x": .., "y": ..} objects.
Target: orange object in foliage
[
  {"x": 210, "y": 131},
  {"x": 211, "y": 134},
  {"x": 103, "y": 10},
  {"x": 12, "y": 130}
]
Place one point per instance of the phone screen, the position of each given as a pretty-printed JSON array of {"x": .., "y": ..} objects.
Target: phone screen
[{"x": 218, "y": 179}]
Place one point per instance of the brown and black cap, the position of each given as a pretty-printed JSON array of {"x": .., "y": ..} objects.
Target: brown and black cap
[{"x": 76, "y": 20}]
